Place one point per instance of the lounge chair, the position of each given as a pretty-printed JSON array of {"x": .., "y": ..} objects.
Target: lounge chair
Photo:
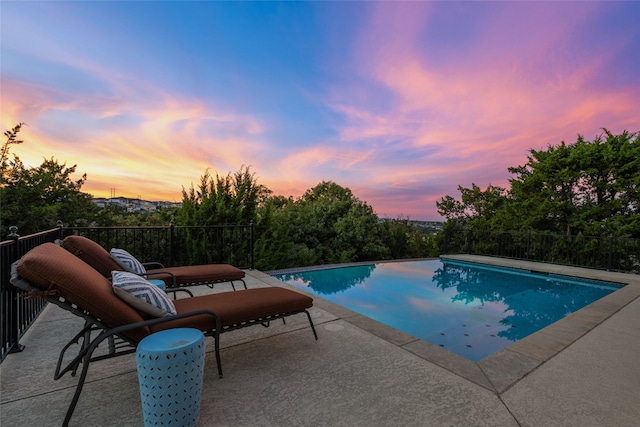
[
  {"x": 207, "y": 274},
  {"x": 48, "y": 271}
]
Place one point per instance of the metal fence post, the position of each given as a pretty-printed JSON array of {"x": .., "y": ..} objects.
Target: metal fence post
[
  {"x": 14, "y": 236},
  {"x": 13, "y": 323},
  {"x": 610, "y": 257},
  {"x": 60, "y": 226},
  {"x": 171, "y": 236},
  {"x": 251, "y": 235}
]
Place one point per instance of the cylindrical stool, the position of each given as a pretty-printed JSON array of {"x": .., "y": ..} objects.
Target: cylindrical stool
[
  {"x": 158, "y": 283},
  {"x": 170, "y": 370}
]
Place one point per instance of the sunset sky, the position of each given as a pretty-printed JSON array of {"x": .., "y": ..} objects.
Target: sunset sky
[{"x": 399, "y": 101}]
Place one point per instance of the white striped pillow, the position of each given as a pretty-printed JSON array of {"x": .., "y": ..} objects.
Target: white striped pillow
[
  {"x": 141, "y": 295},
  {"x": 127, "y": 261}
]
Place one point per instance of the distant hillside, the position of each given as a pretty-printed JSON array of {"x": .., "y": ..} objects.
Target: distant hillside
[
  {"x": 430, "y": 226},
  {"x": 134, "y": 205}
]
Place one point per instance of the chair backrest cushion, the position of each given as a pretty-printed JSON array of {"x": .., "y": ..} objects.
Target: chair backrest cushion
[
  {"x": 91, "y": 253},
  {"x": 51, "y": 268}
]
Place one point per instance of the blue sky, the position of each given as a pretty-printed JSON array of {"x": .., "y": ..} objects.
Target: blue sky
[{"x": 399, "y": 101}]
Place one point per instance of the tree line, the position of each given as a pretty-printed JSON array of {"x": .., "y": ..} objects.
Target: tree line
[
  {"x": 588, "y": 187},
  {"x": 326, "y": 225}
]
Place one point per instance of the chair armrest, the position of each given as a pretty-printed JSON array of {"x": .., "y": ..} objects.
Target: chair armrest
[
  {"x": 176, "y": 290},
  {"x": 153, "y": 265},
  {"x": 173, "y": 276}
]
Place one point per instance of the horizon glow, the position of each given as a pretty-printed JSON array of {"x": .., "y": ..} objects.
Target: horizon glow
[{"x": 401, "y": 102}]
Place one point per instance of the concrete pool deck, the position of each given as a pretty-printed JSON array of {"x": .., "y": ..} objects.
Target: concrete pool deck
[{"x": 581, "y": 371}]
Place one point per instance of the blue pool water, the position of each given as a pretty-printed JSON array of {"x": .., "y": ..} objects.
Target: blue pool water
[{"x": 470, "y": 309}]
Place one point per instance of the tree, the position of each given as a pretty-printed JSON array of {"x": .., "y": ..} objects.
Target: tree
[
  {"x": 12, "y": 139},
  {"x": 477, "y": 207},
  {"x": 326, "y": 225},
  {"x": 406, "y": 240},
  {"x": 232, "y": 199},
  {"x": 588, "y": 187},
  {"x": 35, "y": 199}
]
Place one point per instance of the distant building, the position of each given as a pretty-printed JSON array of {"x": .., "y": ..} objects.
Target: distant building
[
  {"x": 134, "y": 205},
  {"x": 101, "y": 202}
]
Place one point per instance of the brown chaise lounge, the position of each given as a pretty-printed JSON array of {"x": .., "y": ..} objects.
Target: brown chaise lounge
[
  {"x": 51, "y": 272},
  {"x": 207, "y": 274}
]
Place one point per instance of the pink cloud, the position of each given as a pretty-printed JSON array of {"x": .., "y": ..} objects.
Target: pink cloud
[{"x": 518, "y": 87}]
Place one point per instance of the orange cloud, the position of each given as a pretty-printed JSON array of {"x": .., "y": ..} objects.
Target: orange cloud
[{"x": 154, "y": 150}]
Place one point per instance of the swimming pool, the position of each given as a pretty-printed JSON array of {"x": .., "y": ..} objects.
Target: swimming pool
[{"x": 470, "y": 309}]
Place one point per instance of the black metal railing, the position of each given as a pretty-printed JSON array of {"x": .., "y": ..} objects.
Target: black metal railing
[
  {"x": 18, "y": 313},
  {"x": 178, "y": 245},
  {"x": 170, "y": 245},
  {"x": 603, "y": 253}
]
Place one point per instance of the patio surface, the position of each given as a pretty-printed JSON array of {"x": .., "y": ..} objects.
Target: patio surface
[{"x": 581, "y": 371}]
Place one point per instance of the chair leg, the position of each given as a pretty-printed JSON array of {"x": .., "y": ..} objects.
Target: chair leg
[
  {"x": 313, "y": 328},
  {"x": 76, "y": 395},
  {"x": 86, "y": 360},
  {"x": 216, "y": 338},
  {"x": 85, "y": 335},
  {"x": 85, "y": 343}
]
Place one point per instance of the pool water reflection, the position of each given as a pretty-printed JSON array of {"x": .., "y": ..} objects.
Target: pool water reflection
[{"x": 469, "y": 309}]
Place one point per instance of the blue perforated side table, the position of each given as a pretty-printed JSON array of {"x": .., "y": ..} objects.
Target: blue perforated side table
[
  {"x": 158, "y": 283},
  {"x": 170, "y": 370}
]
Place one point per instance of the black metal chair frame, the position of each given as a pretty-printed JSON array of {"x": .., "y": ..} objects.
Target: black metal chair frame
[{"x": 119, "y": 344}]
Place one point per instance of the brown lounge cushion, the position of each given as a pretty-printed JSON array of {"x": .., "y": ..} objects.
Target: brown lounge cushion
[
  {"x": 238, "y": 307},
  {"x": 57, "y": 271},
  {"x": 98, "y": 257},
  {"x": 197, "y": 274},
  {"x": 91, "y": 253}
]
